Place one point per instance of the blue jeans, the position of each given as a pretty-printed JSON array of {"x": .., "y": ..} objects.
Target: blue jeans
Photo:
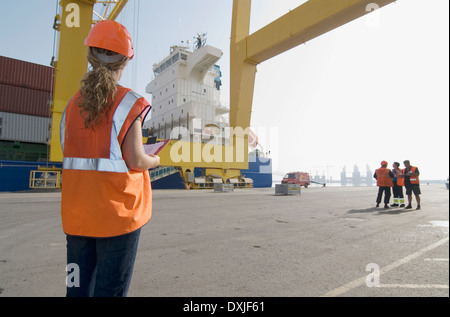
[{"x": 104, "y": 266}]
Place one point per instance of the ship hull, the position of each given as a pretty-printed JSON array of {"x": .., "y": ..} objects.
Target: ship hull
[
  {"x": 15, "y": 175},
  {"x": 260, "y": 171}
]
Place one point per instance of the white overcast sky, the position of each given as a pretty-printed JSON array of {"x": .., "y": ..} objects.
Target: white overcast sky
[{"x": 374, "y": 89}]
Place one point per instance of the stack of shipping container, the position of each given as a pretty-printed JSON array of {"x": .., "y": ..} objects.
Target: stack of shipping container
[
  {"x": 25, "y": 94},
  {"x": 25, "y": 119}
]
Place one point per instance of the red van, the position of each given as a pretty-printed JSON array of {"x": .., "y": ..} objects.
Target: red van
[{"x": 300, "y": 178}]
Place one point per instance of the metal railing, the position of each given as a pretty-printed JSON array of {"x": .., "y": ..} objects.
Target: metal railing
[
  {"x": 45, "y": 178},
  {"x": 161, "y": 172}
]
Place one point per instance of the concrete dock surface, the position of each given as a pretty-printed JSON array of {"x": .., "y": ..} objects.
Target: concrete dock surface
[{"x": 329, "y": 241}]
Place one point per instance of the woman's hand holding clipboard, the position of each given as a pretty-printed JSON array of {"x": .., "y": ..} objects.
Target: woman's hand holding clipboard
[{"x": 155, "y": 148}]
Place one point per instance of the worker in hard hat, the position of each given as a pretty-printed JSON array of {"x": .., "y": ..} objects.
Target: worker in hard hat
[
  {"x": 412, "y": 184},
  {"x": 384, "y": 177},
  {"x": 106, "y": 197}
]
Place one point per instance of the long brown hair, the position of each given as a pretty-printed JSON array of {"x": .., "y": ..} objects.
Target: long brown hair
[{"x": 99, "y": 86}]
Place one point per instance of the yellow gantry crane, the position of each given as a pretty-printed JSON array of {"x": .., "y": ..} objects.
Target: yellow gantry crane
[
  {"x": 74, "y": 24},
  {"x": 304, "y": 23}
]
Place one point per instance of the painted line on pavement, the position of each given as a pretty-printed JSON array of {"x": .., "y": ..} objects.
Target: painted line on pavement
[
  {"x": 413, "y": 286},
  {"x": 361, "y": 281},
  {"x": 436, "y": 260}
]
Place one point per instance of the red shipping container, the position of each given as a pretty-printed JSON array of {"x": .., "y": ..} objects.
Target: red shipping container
[
  {"x": 24, "y": 74},
  {"x": 24, "y": 101}
]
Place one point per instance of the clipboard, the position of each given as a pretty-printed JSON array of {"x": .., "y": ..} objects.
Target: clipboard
[{"x": 155, "y": 148}]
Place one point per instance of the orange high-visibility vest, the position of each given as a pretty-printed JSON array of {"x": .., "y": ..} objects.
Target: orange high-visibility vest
[
  {"x": 383, "y": 179},
  {"x": 414, "y": 179},
  {"x": 400, "y": 180},
  {"x": 100, "y": 196}
]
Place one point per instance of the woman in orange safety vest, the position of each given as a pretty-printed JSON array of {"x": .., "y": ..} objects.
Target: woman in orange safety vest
[
  {"x": 106, "y": 197},
  {"x": 384, "y": 177}
]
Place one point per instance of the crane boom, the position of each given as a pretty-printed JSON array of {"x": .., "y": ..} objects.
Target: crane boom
[
  {"x": 117, "y": 9},
  {"x": 306, "y": 22}
]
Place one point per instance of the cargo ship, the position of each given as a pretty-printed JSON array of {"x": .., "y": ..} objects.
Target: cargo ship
[{"x": 185, "y": 97}]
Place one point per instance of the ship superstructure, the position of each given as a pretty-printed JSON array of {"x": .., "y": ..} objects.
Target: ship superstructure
[
  {"x": 186, "y": 106},
  {"x": 186, "y": 94}
]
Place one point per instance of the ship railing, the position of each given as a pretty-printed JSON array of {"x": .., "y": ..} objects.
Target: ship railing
[{"x": 161, "y": 172}]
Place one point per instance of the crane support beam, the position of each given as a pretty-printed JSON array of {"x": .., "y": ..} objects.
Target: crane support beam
[
  {"x": 306, "y": 22},
  {"x": 75, "y": 24},
  {"x": 242, "y": 73}
]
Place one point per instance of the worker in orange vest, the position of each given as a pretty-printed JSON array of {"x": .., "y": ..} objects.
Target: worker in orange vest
[
  {"x": 106, "y": 197},
  {"x": 384, "y": 176},
  {"x": 399, "y": 182},
  {"x": 412, "y": 183}
]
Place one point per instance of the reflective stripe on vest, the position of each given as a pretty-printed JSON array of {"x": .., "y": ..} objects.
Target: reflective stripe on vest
[{"x": 115, "y": 163}]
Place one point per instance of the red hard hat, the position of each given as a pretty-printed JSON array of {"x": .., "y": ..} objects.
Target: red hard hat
[
  {"x": 384, "y": 163},
  {"x": 112, "y": 36}
]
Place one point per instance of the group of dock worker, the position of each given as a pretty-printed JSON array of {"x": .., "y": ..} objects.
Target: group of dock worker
[{"x": 397, "y": 178}]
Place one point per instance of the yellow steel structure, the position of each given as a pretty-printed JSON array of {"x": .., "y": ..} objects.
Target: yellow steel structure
[
  {"x": 71, "y": 64},
  {"x": 45, "y": 178},
  {"x": 307, "y": 21},
  {"x": 221, "y": 161},
  {"x": 74, "y": 25}
]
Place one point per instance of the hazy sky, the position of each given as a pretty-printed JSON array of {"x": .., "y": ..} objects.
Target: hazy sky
[{"x": 375, "y": 89}]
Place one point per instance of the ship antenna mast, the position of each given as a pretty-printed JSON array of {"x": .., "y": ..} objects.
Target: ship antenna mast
[{"x": 200, "y": 40}]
